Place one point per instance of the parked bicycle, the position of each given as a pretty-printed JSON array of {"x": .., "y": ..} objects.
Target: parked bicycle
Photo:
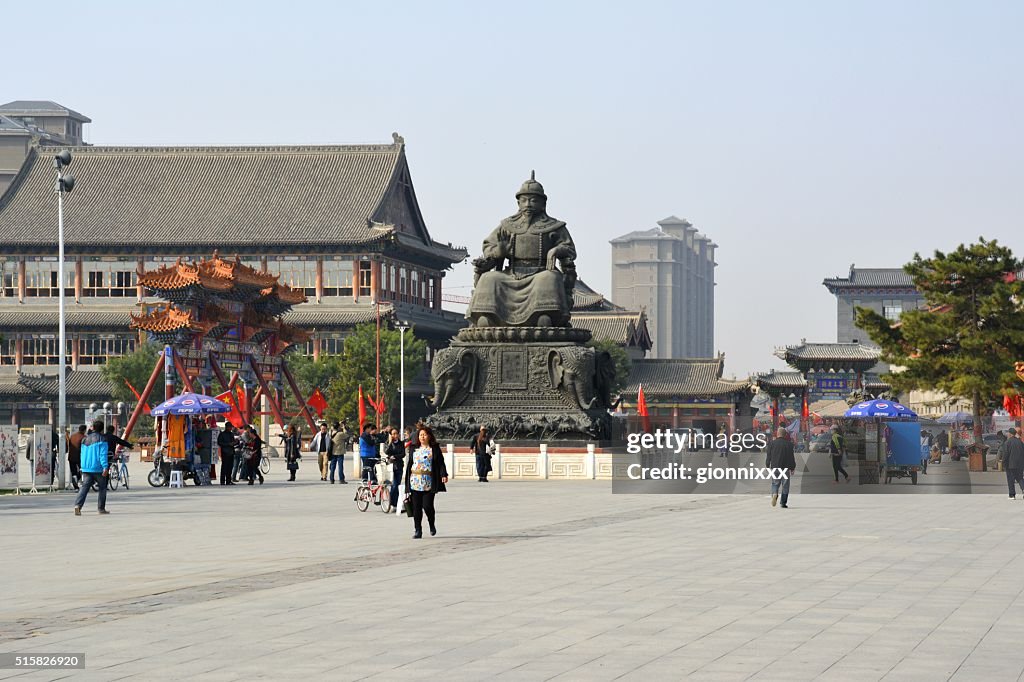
[
  {"x": 377, "y": 493},
  {"x": 118, "y": 472}
]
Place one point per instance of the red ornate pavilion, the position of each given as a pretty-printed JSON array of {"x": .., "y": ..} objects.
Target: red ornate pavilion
[{"x": 222, "y": 316}]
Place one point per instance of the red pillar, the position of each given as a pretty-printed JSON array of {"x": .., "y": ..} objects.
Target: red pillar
[
  {"x": 22, "y": 284},
  {"x": 319, "y": 279},
  {"x": 78, "y": 280}
]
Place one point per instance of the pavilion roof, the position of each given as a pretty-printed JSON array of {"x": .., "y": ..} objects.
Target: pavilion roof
[
  {"x": 781, "y": 380},
  {"x": 828, "y": 353},
  {"x": 682, "y": 377},
  {"x": 874, "y": 278},
  {"x": 624, "y": 327},
  {"x": 169, "y": 318}
]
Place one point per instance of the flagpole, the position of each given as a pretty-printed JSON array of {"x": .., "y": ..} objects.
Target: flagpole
[{"x": 376, "y": 405}]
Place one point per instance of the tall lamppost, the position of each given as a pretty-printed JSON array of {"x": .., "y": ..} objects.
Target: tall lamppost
[
  {"x": 402, "y": 326},
  {"x": 64, "y": 185}
]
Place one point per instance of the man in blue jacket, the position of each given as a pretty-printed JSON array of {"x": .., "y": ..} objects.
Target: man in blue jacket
[
  {"x": 369, "y": 450},
  {"x": 95, "y": 463}
]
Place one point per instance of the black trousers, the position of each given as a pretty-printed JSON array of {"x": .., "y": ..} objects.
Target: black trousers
[
  {"x": 422, "y": 502},
  {"x": 483, "y": 465},
  {"x": 227, "y": 463},
  {"x": 1013, "y": 477},
  {"x": 252, "y": 469},
  {"x": 837, "y": 467}
]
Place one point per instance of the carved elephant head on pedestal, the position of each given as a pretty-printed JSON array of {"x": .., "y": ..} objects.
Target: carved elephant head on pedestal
[
  {"x": 454, "y": 374},
  {"x": 571, "y": 370}
]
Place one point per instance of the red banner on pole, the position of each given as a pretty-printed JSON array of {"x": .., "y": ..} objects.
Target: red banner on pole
[
  {"x": 362, "y": 410},
  {"x": 641, "y": 409},
  {"x": 145, "y": 406},
  {"x": 317, "y": 402}
]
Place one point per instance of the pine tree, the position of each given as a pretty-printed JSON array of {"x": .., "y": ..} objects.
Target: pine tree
[{"x": 966, "y": 340}]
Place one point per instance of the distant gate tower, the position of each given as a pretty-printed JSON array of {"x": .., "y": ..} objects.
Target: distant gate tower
[{"x": 670, "y": 272}]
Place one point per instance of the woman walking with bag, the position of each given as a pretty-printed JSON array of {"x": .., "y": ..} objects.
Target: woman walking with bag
[
  {"x": 481, "y": 446},
  {"x": 425, "y": 476},
  {"x": 292, "y": 445}
]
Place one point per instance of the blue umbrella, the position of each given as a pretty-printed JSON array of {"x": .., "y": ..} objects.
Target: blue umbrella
[
  {"x": 191, "y": 403},
  {"x": 955, "y": 418},
  {"x": 880, "y": 408}
]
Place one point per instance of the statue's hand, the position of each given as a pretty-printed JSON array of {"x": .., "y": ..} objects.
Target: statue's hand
[
  {"x": 483, "y": 264},
  {"x": 553, "y": 256}
]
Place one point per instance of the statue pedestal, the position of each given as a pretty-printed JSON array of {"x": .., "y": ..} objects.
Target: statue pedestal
[{"x": 522, "y": 383}]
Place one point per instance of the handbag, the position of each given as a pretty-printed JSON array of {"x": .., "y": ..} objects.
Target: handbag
[{"x": 407, "y": 505}]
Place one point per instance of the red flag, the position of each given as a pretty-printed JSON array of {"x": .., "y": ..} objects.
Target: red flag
[
  {"x": 145, "y": 406},
  {"x": 235, "y": 415},
  {"x": 317, "y": 402},
  {"x": 805, "y": 413},
  {"x": 641, "y": 409},
  {"x": 1012, "y": 405},
  {"x": 362, "y": 409}
]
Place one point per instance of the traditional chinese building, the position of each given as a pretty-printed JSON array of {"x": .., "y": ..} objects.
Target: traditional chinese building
[
  {"x": 340, "y": 225},
  {"x": 689, "y": 393},
  {"x": 824, "y": 372}
]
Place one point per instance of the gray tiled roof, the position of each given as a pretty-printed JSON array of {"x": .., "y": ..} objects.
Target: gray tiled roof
[
  {"x": 871, "y": 277},
  {"x": 78, "y": 320},
  {"x": 625, "y": 327},
  {"x": 79, "y": 384},
  {"x": 781, "y": 380},
  {"x": 208, "y": 196},
  {"x": 694, "y": 377},
  {"x": 829, "y": 351},
  {"x": 23, "y": 107},
  {"x": 585, "y": 298},
  {"x": 12, "y": 389},
  {"x": 315, "y": 317}
]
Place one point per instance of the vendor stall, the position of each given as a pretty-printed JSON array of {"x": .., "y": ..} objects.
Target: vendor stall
[
  {"x": 187, "y": 444},
  {"x": 883, "y": 438}
]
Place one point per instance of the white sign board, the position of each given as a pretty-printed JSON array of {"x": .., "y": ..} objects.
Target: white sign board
[
  {"x": 8, "y": 456},
  {"x": 42, "y": 456}
]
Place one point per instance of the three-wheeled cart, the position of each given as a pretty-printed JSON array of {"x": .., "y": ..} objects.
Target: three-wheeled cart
[{"x": 903, "y": 451}]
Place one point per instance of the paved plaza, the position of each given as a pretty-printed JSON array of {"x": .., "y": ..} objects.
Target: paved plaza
[{"x": 525, "y": 581}]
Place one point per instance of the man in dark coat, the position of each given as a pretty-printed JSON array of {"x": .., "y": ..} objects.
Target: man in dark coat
[
  {"x": 75, "y": 454},
  {"x": 1011, "y": 453},
  {"x": 226, "y": 442},
  {"x": 780, "y": 457}
]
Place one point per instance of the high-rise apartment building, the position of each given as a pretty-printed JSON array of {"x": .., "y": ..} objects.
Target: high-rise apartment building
[{"x": 669, "y": 271}]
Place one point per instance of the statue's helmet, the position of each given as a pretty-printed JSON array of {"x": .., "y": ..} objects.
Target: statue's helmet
[{"x": 531, "y": 186}]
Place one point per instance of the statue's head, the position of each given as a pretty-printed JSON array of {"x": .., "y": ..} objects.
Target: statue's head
[{"x": 531, "y": 197}]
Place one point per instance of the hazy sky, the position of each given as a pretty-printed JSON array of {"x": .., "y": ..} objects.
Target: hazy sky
[{"x": 800, "y": 136}]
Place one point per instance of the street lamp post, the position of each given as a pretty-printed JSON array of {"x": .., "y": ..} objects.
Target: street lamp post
[
  {"x": 402, "y": 326},
  {"x": 65, "y": 183}
]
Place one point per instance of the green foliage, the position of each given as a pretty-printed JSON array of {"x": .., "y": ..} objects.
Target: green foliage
[
  {"x": 357, "y": 366},
  {"x": 966, "y": 343},
  {"x": 623, "y": 363}
]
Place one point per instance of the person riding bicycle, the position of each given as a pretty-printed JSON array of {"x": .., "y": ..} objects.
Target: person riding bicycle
[{"x": 368, "y": 450}]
